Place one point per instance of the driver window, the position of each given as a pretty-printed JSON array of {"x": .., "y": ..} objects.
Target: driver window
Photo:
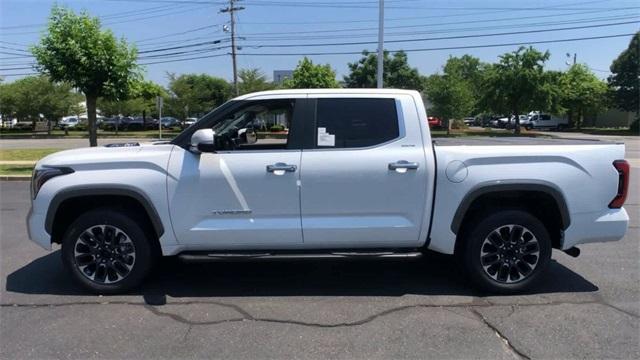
[{"x": 260, "y": 125}]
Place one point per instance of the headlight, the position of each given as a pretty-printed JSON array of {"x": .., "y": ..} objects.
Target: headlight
[{"x": 42, "y": 175}]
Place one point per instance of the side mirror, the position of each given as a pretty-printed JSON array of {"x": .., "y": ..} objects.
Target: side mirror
[
  {"x": 203, "y": 141},
  {"x": 247, "y": 136}
]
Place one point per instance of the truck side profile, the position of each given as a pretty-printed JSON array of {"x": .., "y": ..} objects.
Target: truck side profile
[{"x": 350, "y": 173}]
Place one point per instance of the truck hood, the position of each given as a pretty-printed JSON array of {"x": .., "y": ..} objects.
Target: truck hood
[{"x": 117, "y": 156}]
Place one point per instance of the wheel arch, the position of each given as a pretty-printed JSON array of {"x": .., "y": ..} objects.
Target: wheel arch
[
  {"x": 538, "y": 197},
  {"x": 96, "y": 196}
]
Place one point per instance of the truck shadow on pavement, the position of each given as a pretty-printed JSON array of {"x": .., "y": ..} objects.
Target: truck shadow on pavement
[{"x": 434, "y": 274}]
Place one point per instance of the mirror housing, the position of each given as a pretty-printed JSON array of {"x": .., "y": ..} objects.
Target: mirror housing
[
  {"x": 203, "y": 140},
  {"x": 247, "y": 136}
]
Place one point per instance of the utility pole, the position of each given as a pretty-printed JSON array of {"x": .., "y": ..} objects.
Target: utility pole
[
  {"x": 231, "y": 9},
  {"x": 380, "y": 43}
]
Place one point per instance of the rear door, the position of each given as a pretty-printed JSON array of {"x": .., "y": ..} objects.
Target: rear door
[{"x": 363, "y": 175}]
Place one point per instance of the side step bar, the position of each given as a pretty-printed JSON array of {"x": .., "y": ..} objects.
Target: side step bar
[{"x": 214, "y": 256}]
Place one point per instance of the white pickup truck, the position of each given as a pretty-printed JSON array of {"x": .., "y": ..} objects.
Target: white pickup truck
[{"x": 349, "y": 173}]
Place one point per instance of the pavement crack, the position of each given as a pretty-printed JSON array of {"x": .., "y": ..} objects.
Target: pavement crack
[
  {"x": 246, "y": 316},
  {"x": 622, "y": 310},
  {"x": 508, "y": 345}
]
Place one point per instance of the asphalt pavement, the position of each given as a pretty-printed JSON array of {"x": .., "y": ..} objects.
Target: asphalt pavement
[{"x": 585, "y": 307}]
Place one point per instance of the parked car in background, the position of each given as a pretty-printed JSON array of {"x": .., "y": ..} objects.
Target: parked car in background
[
  {"x": 116, "y": 121},
  {"x": 8, "y": 123},
  {"x": 524, "y": 120},
  {"x": 547, "y": 121},
  {"x": 23, "y": 125},
  {"x": 135, "y": 124},
  {"x": 500, "y": 122},
  {"x": 68, "y": 122},
  {"x": 151, "y": 124},
  {"x": 469, "y": 121},
  {"x": 189, "y": 121},
  {"x": 434, "y": 122},
  {"x": 169, "y": 122}
]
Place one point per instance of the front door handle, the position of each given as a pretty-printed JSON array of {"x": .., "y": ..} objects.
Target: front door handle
[
  {"x": 281, "y": 168},
  {"x": 403, "y": 165}
]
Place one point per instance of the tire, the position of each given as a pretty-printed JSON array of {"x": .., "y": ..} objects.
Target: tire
[
  {"x": 528, "y": 127},
  {"x": 486, "y": 264},
  {"x": 107, "y": 252}
]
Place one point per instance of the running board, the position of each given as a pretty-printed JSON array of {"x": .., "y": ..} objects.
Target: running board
[{"x": 214, "y": 256}]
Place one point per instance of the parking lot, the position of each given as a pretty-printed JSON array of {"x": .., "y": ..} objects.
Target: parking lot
[{"x": 585, "y": 307}]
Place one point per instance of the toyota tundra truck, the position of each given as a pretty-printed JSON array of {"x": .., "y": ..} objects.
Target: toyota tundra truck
[{"x": 326, "y": 173}]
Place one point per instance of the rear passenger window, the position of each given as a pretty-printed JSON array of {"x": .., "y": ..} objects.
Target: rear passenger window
[{"x": 355, "y": 122}]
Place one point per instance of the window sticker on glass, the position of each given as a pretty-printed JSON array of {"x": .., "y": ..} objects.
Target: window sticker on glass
[{"x": 325, "y": 138}]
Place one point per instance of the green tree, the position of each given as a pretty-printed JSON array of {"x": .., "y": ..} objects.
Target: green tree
[
  {"x": 75, "y": 50},
  {"x": 146, "y": 92},
  {"x": 32, "y": 97},
  {"x": 623, "y": 82},
  {"x": 307, "y": 75},
  {"x": 198, "y": 92},
  {"x": 472, "y": 71},
  {"x": 519, "y": 82},
  {"x": 396, "y": 72},
  {"x": 252, "y": 80},
  {"x": 581, "y": 92},
  {"x": 451, "y": 97}
]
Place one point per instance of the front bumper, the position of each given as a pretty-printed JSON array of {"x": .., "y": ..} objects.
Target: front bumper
[
  {"x": 36, "y": 231},
  {"x": 610, "y": 225}
]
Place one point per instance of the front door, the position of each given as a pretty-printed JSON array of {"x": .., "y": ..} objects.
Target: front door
[{"x": 246, "y": 194}]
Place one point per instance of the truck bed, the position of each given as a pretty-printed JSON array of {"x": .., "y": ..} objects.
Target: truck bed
[{"x": 514, "y": 140}]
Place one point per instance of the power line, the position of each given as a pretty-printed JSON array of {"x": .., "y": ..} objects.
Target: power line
[
  {"x": 188, "y": 59},
  {"x": 450, "y": 8},
  {"x": 163, "y": 14},
  {"x": 288, "y": 23},
  {"x": 108, "y": 16},
  {"x": 444, "y": 37},
  {"x": 391, "y": 51},
  {"x": 162, "y": 51},
  {"x": 448, "y": 47},
  {"x": 183, "y": 46},
  {"x": 179, "y": 33},
  {"x": 519, "y": 24}
]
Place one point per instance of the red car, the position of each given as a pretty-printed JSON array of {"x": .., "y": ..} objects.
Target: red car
[{"x": 434, "y": 122}]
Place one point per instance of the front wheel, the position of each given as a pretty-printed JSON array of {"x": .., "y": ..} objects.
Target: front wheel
[
  {"x": 106, "y": 251},
  {"x": 506, "y": 252}
]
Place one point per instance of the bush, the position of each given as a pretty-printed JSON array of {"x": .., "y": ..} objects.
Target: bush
[
  {"x": 276, "y": 128},
  {"x": 458, "y": 124}
]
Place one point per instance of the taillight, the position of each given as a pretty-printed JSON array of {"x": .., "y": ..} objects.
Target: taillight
[{"x": 623, "y": 184}]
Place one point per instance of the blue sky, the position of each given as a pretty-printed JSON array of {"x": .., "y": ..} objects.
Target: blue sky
[{"x": 153, "y": 25}]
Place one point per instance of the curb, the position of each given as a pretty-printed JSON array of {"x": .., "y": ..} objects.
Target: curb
[
  {"x": 18, "y": 162},
  {"x": 15, "y": 178}
]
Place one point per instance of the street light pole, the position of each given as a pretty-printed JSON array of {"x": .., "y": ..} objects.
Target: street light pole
[{"x": 380, "y": 43}]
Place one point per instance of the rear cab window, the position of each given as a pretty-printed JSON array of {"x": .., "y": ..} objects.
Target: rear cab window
[{"x": 355, "y": 122}]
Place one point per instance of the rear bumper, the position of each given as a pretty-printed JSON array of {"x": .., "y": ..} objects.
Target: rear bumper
[{"x": 610, "y": 225}]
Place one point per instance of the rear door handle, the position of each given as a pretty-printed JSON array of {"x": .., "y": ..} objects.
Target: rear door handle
[
  {"x": 281, "y": 168},
  {"x": 403, "y": 165}
]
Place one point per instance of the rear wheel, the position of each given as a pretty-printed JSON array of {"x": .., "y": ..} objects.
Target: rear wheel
[
  {"x": 106, "y": 251},
  {"x": 506, "y": 251}
]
